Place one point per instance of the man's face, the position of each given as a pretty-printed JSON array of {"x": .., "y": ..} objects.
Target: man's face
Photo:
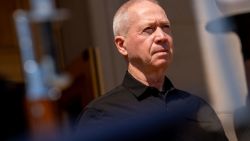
[{"x": 148, "y": 42}]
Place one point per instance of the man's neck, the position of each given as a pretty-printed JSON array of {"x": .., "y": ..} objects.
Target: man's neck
[{"x": 150, "y": 78}]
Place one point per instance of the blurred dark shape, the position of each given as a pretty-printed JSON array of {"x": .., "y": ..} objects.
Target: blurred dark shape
[
  {"x": 236, "y": 23},
  {"x": 239, "y": 24},
  {"x": 13, "y": 121},
  {"x": 85, "y": 84}
]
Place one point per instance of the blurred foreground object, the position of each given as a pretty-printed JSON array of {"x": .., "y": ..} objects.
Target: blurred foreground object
[
  {"x": 42, "y": 78},
  {"x": 237, "y": 19}
]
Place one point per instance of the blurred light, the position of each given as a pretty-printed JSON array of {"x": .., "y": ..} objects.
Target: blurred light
[{"x": 30, "y": 66}]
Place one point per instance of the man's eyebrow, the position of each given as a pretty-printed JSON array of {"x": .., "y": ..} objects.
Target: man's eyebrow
[
  {"x": 166, "y": 22},
  {"x": 163, "y": 23}
]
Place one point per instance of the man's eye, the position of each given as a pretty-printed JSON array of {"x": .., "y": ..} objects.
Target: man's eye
[
  {"x": 166, "y": 28},
  {"x": 149, "y": 30}
]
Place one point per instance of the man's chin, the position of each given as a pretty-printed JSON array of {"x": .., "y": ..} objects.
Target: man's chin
[{"x": 162, "y": 64}]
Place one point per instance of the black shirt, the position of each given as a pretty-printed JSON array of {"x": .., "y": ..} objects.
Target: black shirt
[{"x": 134, "y": 111}]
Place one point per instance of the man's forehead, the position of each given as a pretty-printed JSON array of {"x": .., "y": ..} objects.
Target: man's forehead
[
  {"x": 149, "y": 14},
  {"x": 152, "y": 22}
]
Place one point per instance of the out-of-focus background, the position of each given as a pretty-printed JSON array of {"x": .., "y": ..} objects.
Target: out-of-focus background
[{"x": 206, "y": 63}]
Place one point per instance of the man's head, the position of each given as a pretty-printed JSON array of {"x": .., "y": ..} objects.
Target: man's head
[{"x": 142, "y": 35}]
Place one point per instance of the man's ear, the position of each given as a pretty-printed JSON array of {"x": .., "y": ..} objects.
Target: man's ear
[{"x": 119, "y": 42}]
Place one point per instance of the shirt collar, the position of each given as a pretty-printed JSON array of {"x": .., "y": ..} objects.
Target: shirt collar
[{"x": 139, "y": 89}]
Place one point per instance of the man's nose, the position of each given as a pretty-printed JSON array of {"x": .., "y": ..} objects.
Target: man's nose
[{"x": 160, "y": 36}]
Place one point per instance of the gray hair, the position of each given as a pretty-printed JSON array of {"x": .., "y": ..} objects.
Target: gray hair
[{"x": 121, "y": 19}]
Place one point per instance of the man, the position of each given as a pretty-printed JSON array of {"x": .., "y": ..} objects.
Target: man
[{"x": 146, "y": 106}]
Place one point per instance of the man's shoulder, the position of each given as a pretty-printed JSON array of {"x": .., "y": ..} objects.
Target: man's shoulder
[
  {"x": 96, "y": 107},
  {"x": 107, "y": 97}
]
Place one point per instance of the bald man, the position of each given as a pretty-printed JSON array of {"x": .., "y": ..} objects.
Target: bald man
[{"x": 147, "y": 106}]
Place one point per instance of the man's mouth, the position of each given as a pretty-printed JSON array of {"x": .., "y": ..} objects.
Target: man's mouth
[{"x": 161, "y": 51}]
